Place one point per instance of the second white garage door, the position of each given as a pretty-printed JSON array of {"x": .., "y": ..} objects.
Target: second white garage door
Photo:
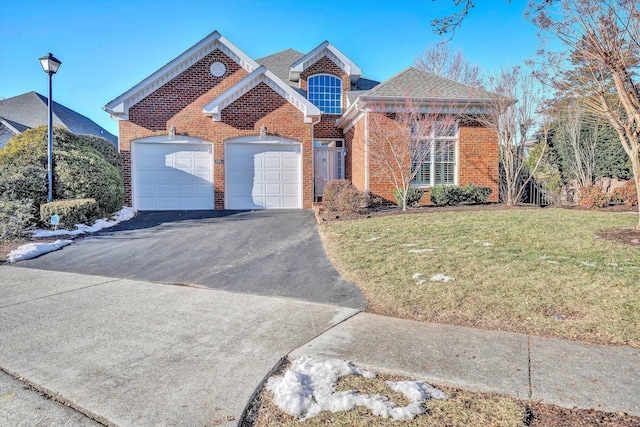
[{"x": 262, "y": 175}]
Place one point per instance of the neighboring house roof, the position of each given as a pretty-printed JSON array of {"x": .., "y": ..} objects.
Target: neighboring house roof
[
  {"x": 31, "y": 110},
  {"x": 119, "y": 107},
  {"x": 262, "y": 75}
]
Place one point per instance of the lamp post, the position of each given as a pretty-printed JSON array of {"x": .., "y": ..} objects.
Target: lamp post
[{"x": 50, "y": 66}]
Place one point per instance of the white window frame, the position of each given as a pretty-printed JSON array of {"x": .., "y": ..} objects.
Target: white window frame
[
  {"x": 324, "y": 92},
  {"x": 433, "y": 141}
]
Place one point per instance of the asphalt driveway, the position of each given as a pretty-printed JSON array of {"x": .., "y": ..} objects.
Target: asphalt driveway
[{"x": 274, "y": 253}]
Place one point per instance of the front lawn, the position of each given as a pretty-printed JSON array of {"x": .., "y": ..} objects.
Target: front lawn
[{"x": 535, "y": 271}]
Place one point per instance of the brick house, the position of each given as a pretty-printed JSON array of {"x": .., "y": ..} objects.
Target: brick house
[{"x": 215, "y": 129}]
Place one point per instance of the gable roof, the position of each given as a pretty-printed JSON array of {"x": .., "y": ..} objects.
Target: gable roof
[
  {"x": 261, "y": 75},
  {"x": 330, "y": 51},
  {"x": 415, "y": 83},
  {"x": 424, "y": 88},
  {"x": 119, "y": 107},
  {"x": 31, "y": 110}
]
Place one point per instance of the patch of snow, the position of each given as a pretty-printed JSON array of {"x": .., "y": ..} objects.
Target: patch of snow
[
  {"x": 476, "y": 241},
  {"x": 308, "y": 387},
  {"x": 408, "y": 245},
  {"x": 125, "y": 214},
  {"x": 487, "y": 244},
  {"x": 417, "y": 276},
  {"x": 32, "y": 250},
  {"x": 588, "y": 264},
  {"x": 613, "y": 264},
  {"x": 420, "y": 282},
  {"x": 420, "y": 251},
  {"x": 442, "y": 278},
  {"x": 553, "y": 262},
  {"x": 373, "y": 239}
]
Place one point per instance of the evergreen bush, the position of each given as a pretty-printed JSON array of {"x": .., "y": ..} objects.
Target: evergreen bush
[
  {"x": 71, "y": 212},
  {"x": 446, "y": 195},
  {"x": 414, "y": 195}
]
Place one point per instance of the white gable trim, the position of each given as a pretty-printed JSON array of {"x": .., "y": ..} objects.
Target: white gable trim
[
  {"x": 324, "y": 49},
  {"x": 261, "y": 75},
  {"x": 119, "y": 107}
]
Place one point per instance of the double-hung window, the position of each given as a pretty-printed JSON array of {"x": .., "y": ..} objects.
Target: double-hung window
[
  {"x": 434, "y": 155},
  {"x": 325, "y": 92}
]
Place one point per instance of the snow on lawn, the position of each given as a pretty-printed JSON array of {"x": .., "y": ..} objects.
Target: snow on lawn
[
  {"x": 442, "y": 278},
  {"x": 32, "y": 250},
  {"x": 308, "y": 387}
]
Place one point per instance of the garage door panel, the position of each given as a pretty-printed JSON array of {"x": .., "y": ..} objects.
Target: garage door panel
[
  {"x": 173, "y": 176},
  {"x": 262, "y": 176}
]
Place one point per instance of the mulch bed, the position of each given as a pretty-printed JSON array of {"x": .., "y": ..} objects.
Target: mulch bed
[{"x": 542, "y": 415}]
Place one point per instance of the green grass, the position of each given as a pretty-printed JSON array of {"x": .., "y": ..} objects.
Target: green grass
[{"x": 536, "y": 271}]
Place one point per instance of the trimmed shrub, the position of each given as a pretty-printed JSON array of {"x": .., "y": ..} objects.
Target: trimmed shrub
[
  {"x": 81, "y": 174},
  {"x": 626, "y": 194},
  {"x": 24, "y": 184},
  {"x": 446, "y": 195},
  {"x": 71, "y": 212},
  {"x": 592, "y": 196},
  {"x": 340, "y": 195},
  {"x": 104, "y": 147},
  {"x": 80, "y": 171},
  {"x": 414, "y": 195},
  {"x": 15, "y": 216},
  {"x": 476, "y": 194}
]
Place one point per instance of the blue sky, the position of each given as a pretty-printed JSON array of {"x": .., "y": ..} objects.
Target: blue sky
[{"x": 107, "y": 46}]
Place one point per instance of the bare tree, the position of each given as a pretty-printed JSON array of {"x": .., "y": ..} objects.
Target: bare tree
[
  {"x": 439, "y": 60},
  {"x": 401, "y": 137},
  {"x": 601, "y": 38},
  {"x": 514, "y": 113},
  {"x": 578, "y": 134}
]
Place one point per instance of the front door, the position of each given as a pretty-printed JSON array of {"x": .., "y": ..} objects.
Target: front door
[{"x": 329, "y": 165}]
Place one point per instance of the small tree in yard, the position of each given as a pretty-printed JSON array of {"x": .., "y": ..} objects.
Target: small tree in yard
[
  {"x": 401, "y": 139},
  {"x": 515, "y": 114}
]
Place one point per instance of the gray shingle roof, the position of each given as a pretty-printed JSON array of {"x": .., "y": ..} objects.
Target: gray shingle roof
[
  {"x": 416, "y": 83},
  {"x": 279, "y": 64},
  {"x": 30, "y": 110}
]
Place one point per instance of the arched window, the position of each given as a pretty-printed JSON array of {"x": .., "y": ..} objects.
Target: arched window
[{"x": 325, "y": 92}]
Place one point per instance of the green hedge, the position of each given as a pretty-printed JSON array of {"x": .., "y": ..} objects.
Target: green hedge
[
  {"x": 451, "y": 195},
  {"x": 15, "y": 216},
  {"x": 71, "y": 212}
]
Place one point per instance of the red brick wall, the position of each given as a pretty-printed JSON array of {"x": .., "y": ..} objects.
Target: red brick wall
[
  {"x": 155, "y": 110},
  {"x": 478, "y": 157},
  {"x": 477, "y": 161},
  {"x": 244, "y": 117}
]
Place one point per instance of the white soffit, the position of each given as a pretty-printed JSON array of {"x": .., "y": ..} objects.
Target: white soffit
[
  {"x": 330, "y": 51},
  {"x": 261, "y": 75},
  {"x": 119, "y": 107}
]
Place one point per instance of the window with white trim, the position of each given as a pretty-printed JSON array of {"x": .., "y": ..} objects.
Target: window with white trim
[
  {"x": 325, "y": 92},
  {"x": 438, "y": 165}
]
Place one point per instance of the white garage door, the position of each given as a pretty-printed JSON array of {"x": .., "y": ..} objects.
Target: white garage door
[
  {"x": 262, "y": 176},
  {"x": 170, "y": 176}
]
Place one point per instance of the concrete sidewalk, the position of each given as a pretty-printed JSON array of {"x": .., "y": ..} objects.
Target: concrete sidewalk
[
  {"x": 561, "y": 372},
  {"x": 130, "y": 353}
]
